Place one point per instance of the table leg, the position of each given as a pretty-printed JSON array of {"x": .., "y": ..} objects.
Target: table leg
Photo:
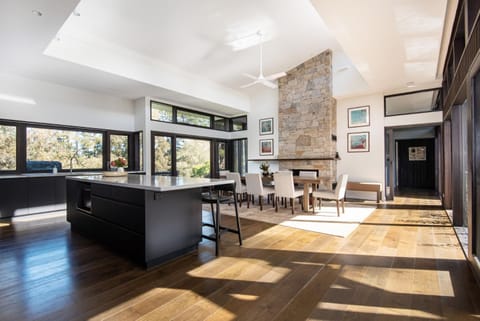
[{"x": 306, "y": 197}]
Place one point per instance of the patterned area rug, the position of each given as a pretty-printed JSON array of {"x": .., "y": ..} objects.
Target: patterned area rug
[{"x": 325, "y": 220}]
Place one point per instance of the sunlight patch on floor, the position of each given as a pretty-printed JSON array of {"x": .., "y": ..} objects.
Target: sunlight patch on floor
[
  {"x": 403, "y": 280},
  {"x": 244, "y": 297},
  {"x": 371, "y": 309}
]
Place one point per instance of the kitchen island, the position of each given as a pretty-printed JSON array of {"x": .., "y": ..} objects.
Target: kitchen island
[{"x": 150, "y": 219}]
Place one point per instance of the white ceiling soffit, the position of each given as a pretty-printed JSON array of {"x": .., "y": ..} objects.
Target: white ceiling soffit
[
  {"x": 192, "y": 47},
  {"x": 390, "y": 42}
]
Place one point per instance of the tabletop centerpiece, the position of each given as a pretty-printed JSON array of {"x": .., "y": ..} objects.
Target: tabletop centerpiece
[{"x": 264, "y": 166}]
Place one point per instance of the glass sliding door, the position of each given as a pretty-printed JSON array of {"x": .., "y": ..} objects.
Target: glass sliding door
[
  {"x": 193, "y": 157},
  {"x": 239, "y": 156}
]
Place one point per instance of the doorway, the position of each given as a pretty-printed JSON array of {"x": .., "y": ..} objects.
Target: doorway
[{"x": 416, "y": 164}]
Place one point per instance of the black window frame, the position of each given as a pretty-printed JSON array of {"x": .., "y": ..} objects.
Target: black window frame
[
  {"x": 130, "y": 148},
  {"x": 439, "y": 101},
  {"x": 17, "y": 139},
  {"x": 21, "y": 145},
  {"x": 193, "y": 112},
  {"x": 175, "y": 109},
  {"x": 214, "y": 170}
]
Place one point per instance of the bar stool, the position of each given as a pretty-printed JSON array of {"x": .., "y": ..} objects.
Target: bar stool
[{"x": 217, "y": 198}]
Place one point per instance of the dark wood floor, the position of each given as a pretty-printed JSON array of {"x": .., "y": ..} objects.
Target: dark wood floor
[{"x": 403, "y": 263}]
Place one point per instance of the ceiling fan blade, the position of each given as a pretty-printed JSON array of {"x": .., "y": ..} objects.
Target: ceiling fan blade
[
  {"x": 276, "y": 76},
  {"x": 268, "y": 84},
  {"x": 249, "y": 84},
  {"x": 250, "y": 76}
]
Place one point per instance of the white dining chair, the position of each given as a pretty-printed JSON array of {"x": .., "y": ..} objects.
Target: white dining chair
[
  {"x": 337, "y": 195},
  {"x": 255, "y": 188},
  {"x": 284, "y": 188},
  {"x": 240, "y": 189}
]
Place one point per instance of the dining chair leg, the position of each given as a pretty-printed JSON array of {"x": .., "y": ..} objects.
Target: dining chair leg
[
  {"x": 239, "y": 197},
  {"x": 273, "y": 199},
  {"x": 260, "y": 200},
  {"x": 248, "y": 200},
  {"x": 276, "y": 203},
  {"x": 292, "y": 203},
  {"x": 238, "y": 224},
  {"x": 314, "y": 200},
  {"x": 343, "y": 205},
  {"x": 338, "y": 208}
]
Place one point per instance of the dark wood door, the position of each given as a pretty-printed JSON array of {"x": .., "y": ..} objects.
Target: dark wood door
[{"x": 414, "y": 170}]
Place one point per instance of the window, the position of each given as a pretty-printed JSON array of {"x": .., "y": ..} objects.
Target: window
[
  {"x": 220, "y": 123},
  {"x": 221, "y": 155},
  {"x": 179, "y": 115},
  {"x": 193, "y": 157},
  {"x": 8, "y": 148},
  {"x": 64, "y": 149},
  {"x": 240, "y": 158},
  {"x": 239, "y": 123},
  {"x": 192, "y": 118},
  {"x": 162, "y": 153},
  {"x": 161, "y": 112},
  {"x": 415, "y": 102},
  {"x": 118, "y": 146},
  {"x": 140, "y": 151}
]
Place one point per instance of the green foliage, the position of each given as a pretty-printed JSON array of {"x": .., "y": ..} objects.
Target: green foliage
[
  {"x": 163, "y": 154},
  {"x": 81, "y": 149},
  {"x": 8, "y": 148}
]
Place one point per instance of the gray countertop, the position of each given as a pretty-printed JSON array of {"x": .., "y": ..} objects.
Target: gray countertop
[
  {"x": 153, "y": 183},
  {"x": 27, "y": 175}
]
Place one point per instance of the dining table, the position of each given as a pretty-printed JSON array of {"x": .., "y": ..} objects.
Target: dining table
[{"x": 307, "y": 181}]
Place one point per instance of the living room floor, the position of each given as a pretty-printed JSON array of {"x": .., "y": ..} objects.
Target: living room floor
[{"x": 403, "y": 262}]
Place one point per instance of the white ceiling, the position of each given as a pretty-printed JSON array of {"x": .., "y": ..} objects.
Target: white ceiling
[{"x": 180, "y": 49}]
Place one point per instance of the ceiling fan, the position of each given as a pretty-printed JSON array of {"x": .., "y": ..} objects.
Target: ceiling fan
[{"x": 261, "y": 79}]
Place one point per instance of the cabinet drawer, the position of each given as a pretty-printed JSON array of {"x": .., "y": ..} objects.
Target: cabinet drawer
[
  {"x": 128, "y": 216},
  {"x": 121, "y": 194}
]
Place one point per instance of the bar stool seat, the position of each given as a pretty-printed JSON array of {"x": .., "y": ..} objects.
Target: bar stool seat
[{"x": 215, "y": 197}]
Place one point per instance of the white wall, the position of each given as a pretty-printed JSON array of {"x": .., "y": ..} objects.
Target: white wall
[
  {"x": 57, "y": 104},
  {"x": 264, "y": 104},
  {"x": 367, "y": 166}
]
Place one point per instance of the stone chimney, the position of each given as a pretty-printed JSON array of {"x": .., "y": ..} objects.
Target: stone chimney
[{"x": 307, "y": 117}]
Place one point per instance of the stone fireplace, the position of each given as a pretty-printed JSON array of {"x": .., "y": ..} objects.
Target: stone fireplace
[{"x": 307, "y": 118}]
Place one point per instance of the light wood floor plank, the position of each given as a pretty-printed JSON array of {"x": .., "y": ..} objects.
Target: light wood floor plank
[{"x": 402, "y": 263}]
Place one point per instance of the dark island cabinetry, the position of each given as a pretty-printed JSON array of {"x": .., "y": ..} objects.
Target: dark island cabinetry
[{"x": 145, "y": 225}]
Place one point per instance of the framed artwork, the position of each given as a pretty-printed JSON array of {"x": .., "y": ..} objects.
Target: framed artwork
[
  {"x": 266, "y": 147},
  {"x": 359, "y": 116},
  {"x": 266, "y": 126},
  {"x": 418, "y": 153},
  {"x": 358, "y": 142}
]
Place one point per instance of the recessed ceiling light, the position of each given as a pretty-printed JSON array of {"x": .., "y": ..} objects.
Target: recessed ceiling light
[
  {"x": 37, "y": 13},
  {"x": 410, "y": 84}
]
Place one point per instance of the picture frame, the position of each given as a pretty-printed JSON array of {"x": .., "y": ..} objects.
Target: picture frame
[
  {"x": 359, "y": 116},
  {"x": 266, "y": 126},
  {"x": 266, "y": 147},
  {"x": 358, "y": 142}
]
